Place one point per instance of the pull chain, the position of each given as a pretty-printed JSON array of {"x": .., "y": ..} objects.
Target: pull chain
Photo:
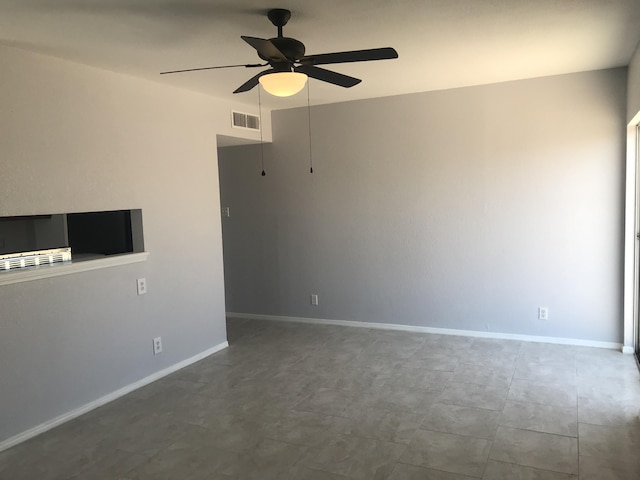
[
  {"x": 261, "y": 141},
  {"x": 309, "y": 117}
]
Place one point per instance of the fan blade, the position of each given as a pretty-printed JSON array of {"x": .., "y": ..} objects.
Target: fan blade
[
  {"x": 386, "y": 53},
  {"x": 252, "y": 82},
  {"x": 249, "y": 65},
  {"x": 328, "y": 76},
  {"x": 266, "y": 49}
]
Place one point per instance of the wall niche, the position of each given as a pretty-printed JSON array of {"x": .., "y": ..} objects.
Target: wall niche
[{"x": 88, "y": 234}]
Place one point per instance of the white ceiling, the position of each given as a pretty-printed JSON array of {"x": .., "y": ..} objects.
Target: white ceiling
[{"x": 441, "y": 43}]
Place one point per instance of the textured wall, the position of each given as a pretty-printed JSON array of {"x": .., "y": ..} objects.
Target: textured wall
[
  {"x": 79, "y": 139},
  {"x": 464, "y": 209}
]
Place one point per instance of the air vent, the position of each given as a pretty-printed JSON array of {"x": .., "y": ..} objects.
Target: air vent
[
  {"x": 33, "y": 259},
  {"x": 244, "y": 120}
]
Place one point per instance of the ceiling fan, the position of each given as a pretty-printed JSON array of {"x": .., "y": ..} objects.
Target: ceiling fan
[{"x": 289, "y": 67}]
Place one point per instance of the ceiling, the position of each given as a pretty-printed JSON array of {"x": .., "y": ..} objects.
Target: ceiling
[{"x": 441, "y": 43}]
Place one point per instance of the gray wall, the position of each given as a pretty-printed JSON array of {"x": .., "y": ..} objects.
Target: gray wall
[
  {"x": 463, "y": 209},
  {"x": 633, "y": 104},
  {"x": 80, "y": 139}
]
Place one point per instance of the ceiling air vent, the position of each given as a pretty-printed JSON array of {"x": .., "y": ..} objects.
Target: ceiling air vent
[{"x": 244, "y": 120}]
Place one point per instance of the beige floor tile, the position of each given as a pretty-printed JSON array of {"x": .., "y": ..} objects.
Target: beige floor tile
[
  {"x": 613, "y": 443},
  {"x": 389, "y": 426},
  {"x": 608, "y": 408},
  {"x": 304, "y": 428},
  {"x": 548, "y": 353},
  {"x": 194, "y": 457},
  {"x": 411, "y": 472},
  {"x": 474, "y": 422},
  {"x": 397, "y": 399},
  {"x": 447, "y": 452},
  {"x": 556, "y": 395},
  {"x": 595, "y": 468},
  {"x": 411, "y": 377},
  {"x": 354, "y": 457},
  {"x": 534, "y": 449},
  {"x": 326, "y": 401},
  {"x": 429, "y": 360},
  {"x": 268, "y": 460},
  {"x": 473, "y": 395},
  {"x": 299, "y": 472},
  {"x": 540, "y": 418},
  {"x": 510, "y": 471},
  {"x": 484, "y": 375},
  {"x": 558, "y": 373}
]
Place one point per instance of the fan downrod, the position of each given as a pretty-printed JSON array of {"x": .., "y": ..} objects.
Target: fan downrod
[{"x": 279, "y": 17}]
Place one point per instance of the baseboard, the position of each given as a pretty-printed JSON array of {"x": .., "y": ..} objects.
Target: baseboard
[
  {"x": 442, "y": 331},
  {"x": 48, "y": 425},
  {"x": 627, "y": 350}
]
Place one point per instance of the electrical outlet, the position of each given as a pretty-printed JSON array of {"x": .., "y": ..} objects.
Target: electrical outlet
[
  {"x": 142, "y": 286},
  {"x": 314, "y": 299},
  {"x": 543, "y": 313},
  {"x": 225, "y": 212},
  {"x": 157, "y": 345}
]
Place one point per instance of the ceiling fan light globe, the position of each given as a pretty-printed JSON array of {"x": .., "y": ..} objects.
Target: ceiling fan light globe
[{"x": 283, "y": 84}]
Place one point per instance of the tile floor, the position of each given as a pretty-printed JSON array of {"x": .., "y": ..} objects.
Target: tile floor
[{"x": 308, "y": 402}]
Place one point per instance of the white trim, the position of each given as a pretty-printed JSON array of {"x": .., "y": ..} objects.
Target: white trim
[
  {"x": 67, "y": 268},
  {"x": 630, "y": 302},
  {"x": 54, "y": 422},
  {"x": 442, "y": 331},
  {"x": 627, "y": 350}
]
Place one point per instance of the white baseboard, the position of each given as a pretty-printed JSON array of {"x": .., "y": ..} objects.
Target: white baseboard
[
  {"x": 627, "y": 350},
  {"x": 442, "y": 331},
  {"x": 54, "y": 422}
]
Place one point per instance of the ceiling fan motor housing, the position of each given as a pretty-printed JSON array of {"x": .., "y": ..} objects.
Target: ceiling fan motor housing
[{"x": 290, "y": 47}]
